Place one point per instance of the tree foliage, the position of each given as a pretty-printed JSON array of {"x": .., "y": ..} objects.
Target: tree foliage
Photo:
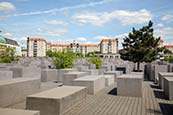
[
  {"x": 140, "y": 45},
  {"x": 95, "y": 60},
  {"x": 62, "y": 59},
  {"x": 8, "y": 55}
]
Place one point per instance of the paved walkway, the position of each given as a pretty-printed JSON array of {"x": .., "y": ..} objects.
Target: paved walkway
[{"x": 106, "y": 102}]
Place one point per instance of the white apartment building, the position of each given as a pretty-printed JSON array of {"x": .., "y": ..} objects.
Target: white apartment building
[{"x": 37, "y": 47}]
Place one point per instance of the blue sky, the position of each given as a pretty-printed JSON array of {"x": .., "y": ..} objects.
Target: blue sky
[{"x": 85, "y": 21}]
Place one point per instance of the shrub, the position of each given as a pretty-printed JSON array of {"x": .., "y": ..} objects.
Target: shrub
[
  {"x": 63, "y": 59},
  {"x": 95, "y": 60}
]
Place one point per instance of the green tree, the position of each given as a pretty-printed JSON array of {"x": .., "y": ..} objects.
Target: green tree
[
  {"x": 8, "y": 55},
  {"x": 140, "y": 45},
  {"x": 63, "y": 59},
  {"x": 95, "y": 60}
]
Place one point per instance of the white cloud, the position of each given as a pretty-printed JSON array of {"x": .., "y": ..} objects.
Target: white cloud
[
  {"x": 44, "y": 32},
  {"x": 159, "y": 25},
  {"x": 81, "y": 39},
  {"x": 54, "y": 11},
  {"x": 167, "y": 18},
  {"x": 124, "y": 16},
  {"x": 56, "y": 22},
  {"x": 165, "y": 33},
  {"x": 6, "y": 7}
]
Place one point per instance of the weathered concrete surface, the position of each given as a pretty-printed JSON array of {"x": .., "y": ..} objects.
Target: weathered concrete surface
[
  {"x": 70, "y": 76},
  {"x": 162, "y": 75},
  {"x": 109, "y": 79},
  {"x": 5, "y": 111},
  {"x": 62, "y": 71},
  {"x": 92, "y": 71},
  {"x": 49, "y": 75},
  {"x": 168, "y": 87},
  {"x": 16, "y": 90},
  {"x": 130, "y": 85},
  {"x": 56, "y": 101},
  {"x": 6, "y": 74},
  {"x": 115, "y": 73},
  {"x": 92, "y": 82}
]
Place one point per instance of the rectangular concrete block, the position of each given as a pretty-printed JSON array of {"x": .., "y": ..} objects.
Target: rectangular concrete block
[
  {"x": 15, "y": 90},
  {"x": 168, "y": 87},
  {"x": 62, "y": 71},
  {"x": 92, "y": 71},
  {"x": 70, "y": 76},
  {"x": 6, "y": 74},
  {"x": 49, "y": 75},
  {"x": 92, "y": 82},
  {"x": 31, "y": 72},
  {"x": 159, "y": 68},
  {"x": 130, "y": 85},
  {"x": 56, "y": 101},
  {"x": 162, "y": 75},
  {"x": 5, "y": 111},
  {"x": 80, "y": 68},
  {"x": 17, "y": 71},
  {"x": 115, "y": 73},
  {"x": 109, "y": 79}
]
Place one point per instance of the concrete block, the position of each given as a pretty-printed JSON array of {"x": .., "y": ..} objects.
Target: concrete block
[
  {"x": 109, "y": 79},
  {"x": 31, "y": 72},
  {"x": 80, "y": 68},
  {"x": 106, "y": 67},
  {"x": 101, "y": 71},
  {"x": 168, "y": 87},
  {"x": 70, "y": 76},
  {"x": 62, "y": 71},
  {"x": 17, "y": 71},
  {"x": 16, "y": 90},
  {"x": 49, "y": 75},
  {"x": 159, "y": 68},
  {"x": 5, "y": 74},
  {"x": 130, "y": 85},
  {"x": 92, "y": 71},
  {"x": 162, "y": 75},
  {"x": 92, "y": 82},
  {"x": 92, "y": 66},
  {"x": 5, "y": 111},
  {"x": 115, "y": 73},
  {"x": 56, "y": 101}
]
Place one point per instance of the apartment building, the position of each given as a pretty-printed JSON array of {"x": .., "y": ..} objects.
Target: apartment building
[
  {"x": 6, "y": 42},
  {"x": 37, "y": 47}
]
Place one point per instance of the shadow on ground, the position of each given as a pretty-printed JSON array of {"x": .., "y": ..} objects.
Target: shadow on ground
[
  {"x": 113, "y": 91},
  {"x": 167, "y": 109},
  {"x": 160, "y": 94}
]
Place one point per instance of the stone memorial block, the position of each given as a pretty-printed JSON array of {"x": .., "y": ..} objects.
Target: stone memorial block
[
  {"x": 92, "y": 82},
  {"x": 115, "y": 73},
  {"x": 70, "y": 76},
  {"x": 168, "y": 87},
  {"x": 109, "y": 79},
  {"x": 162, "y": 75},
  {"x": 5, "y": 111},
  {"x": 6, "y": 74},
  {"x": 130, "y": 85},
  {"x": 62, "y": 71},
  {"x": 48, "y": 75},
  {"x": 16, "y": 90},
  {"x": 56, "y": 101}
]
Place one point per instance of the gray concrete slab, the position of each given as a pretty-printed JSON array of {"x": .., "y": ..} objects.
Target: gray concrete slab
[
  {"x": 49, "y": 75},
  {"x": 56, "y": 101},
  {"x": 6, "y": 74},
  {"x": 92, "y": 82},
  {"x": 162, "y": 75},
  {"x": 130, "y": 85},
  {"x": 16, "y": 90},
  {"x": 168, "y": 87},
  {"x": 5, "y": 111}
]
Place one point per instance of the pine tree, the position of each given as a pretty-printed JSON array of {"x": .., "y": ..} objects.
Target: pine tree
[{"x": 140, "y": 45}]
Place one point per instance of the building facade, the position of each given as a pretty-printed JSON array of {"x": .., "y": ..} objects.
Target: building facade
[
  {"x": 37, "y": 47},
  {"x": 5, "y": 42}
]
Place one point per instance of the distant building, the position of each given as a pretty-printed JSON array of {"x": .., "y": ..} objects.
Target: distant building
[
  {"x": 6, "y": 42},
  {"x": 37, "y": 47}
]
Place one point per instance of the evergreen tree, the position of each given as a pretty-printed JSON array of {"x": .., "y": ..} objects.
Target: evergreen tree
[{"x": 140, "y": 45}]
